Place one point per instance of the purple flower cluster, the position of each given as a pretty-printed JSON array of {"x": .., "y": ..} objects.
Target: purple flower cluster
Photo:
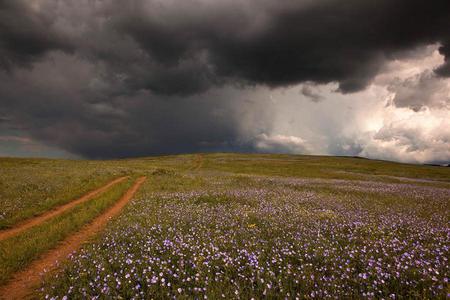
[{"x": 266, "y": 241}]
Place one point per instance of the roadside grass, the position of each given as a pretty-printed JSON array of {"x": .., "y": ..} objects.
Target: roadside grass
[
  {"x": 321, "y": 167},
  {"x": 29, "y": 187},
  {"x": 246, "y": 225},
  {"x": 18, "y": 251},
  {"x": 173, "y": 182},
  {"x": 391, "y": 198},
  {"x": 195, "y": 236}
]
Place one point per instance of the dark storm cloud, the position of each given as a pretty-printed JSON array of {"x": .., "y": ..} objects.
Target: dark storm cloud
[
  {"x": 25, "y": 35},
  {"x": 308, "y": 92},
  {"x": 444, "y": 70},
  {"x": 61, "y": 113},
  {"x": 117, "y": 78},
  {"x": 279, "y": 44},
  {"x": 184, "y": 47}
]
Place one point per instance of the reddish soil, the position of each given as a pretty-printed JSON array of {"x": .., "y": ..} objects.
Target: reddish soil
[
  {"x": 198, "y": 162},
  {"x": 22, "y": 226},
  {"x": 24, "y": 282}
]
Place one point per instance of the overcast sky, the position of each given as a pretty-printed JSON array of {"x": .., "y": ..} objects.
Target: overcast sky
[{"x": 111, "y": 78}]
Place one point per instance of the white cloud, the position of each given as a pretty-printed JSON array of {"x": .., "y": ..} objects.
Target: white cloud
[
  {"x": 410, "y": 136},
  {"x": 281, "y": 144},
  {"x": 412, "y": 82},
  {"x": 421, "y": 90},
  {"x": 404, "y": 115}
]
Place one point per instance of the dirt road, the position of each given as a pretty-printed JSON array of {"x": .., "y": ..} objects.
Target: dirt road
[
  {"x": 23, "y": 282},
  {"x": 22, "y": 226}
]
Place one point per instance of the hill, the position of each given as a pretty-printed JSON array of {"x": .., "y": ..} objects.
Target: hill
[{"x": 223, "y": 226}]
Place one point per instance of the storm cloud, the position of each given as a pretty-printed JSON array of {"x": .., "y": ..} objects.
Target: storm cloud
[
  {"x": 109, "y": 78},
  {"x": 26, "y": 35}
]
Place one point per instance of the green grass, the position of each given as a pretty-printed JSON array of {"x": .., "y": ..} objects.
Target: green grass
[
  {"x": 18, "y": 251},
  {"x": 29, "y": 187},
  {"x": 220, "y": 195},
  {"x": 305, "y": 166},
  {"x": 196, "y": 229}
]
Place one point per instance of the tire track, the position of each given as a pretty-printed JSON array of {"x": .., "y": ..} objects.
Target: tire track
[
  {"x": 23, "y": 282},
  {"x": 199, "y": 162},
  {"x": 28, "y": 223}
]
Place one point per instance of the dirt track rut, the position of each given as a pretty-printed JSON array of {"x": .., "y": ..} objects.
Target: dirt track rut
[
  {"x": 22, "y": 226},
  {"x": 22, "y": 284}
]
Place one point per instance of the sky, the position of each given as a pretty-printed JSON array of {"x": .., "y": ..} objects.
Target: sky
[{"x": 109, "y": 79}]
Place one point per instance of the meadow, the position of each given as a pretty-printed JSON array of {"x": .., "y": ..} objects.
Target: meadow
[
  {"x": 243, "y": 226},
  {"x": 29, "y": 187}
]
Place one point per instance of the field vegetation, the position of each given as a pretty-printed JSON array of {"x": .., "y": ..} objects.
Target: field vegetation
[
  {"x": 29, "y": 187},
  {"x": 235, "y": 226},
  {"x": 20, "y": 250}
]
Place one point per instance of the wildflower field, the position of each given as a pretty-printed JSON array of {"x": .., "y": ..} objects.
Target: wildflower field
[
  {"x": 32, "y": 186},
  {"x": 228, "y": 226}
]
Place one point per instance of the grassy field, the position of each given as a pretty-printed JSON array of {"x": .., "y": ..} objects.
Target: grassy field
[
  {"x": 18, "y": 251},
  {"x": 29, "y": 187},
  {"x": 237, "y": 226}
]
